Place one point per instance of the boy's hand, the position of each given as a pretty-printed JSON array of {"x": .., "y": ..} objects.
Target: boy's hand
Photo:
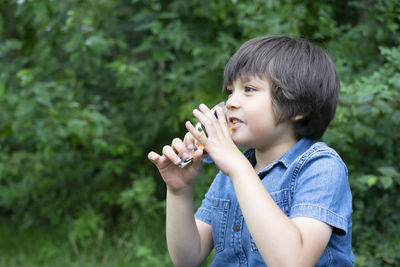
[
  {"x": 175, "y": 177},
  {"x": 218, "y": 142}
]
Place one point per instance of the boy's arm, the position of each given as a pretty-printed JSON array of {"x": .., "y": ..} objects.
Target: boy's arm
[
  {"x": 280, "y": 240},
  {"x": 189, "y": 240}
]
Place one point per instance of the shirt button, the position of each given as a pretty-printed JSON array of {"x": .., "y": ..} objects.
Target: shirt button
[{"x": 236, "y": 228}]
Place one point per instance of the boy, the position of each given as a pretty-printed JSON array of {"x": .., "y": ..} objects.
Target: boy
[{"x": 286, "y": 200}]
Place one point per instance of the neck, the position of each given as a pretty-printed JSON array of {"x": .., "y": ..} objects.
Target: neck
[{"x": 271, "y": 153}]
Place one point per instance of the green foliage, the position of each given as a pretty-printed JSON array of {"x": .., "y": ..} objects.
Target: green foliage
[
  {"x": 365, "y": 134},
  {"x": 87, "y": 88}
]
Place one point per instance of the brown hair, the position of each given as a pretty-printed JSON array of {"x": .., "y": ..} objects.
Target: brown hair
[{"x": 303, "y": 80}]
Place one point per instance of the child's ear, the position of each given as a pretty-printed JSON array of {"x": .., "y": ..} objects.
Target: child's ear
[{"x": 298, "y": 117}]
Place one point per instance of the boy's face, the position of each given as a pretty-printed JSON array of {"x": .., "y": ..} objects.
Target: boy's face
[{"x": 249, "y": 105}]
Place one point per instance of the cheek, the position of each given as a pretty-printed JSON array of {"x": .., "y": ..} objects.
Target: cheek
[
  {"x": 260, "y": 126},
  {"x": 262, "y": 120}
]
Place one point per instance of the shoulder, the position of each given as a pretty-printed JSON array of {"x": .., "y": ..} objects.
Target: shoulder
[
  {"x": 320, "y": 157},
  {"x": 320, "y": 187},
  {"x": 320, "y": 175}
]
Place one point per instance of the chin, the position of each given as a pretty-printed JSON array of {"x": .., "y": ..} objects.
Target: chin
[{"x": 242, "y": 143}]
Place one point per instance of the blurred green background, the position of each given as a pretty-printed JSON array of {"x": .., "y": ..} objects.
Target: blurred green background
[{"x": 88, "y": 88}]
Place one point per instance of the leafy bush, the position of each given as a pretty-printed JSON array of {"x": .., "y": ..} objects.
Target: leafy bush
[{"x": 365, "y": 134}]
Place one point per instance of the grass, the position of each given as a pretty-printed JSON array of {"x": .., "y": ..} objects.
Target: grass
[
  {"x": 50, "y": 246},
  {"x": 43, "y": 246}
]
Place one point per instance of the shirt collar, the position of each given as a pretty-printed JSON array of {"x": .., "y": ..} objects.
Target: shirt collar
[{"x": 286, "y": 159}]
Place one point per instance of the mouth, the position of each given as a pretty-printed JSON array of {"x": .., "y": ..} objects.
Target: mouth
[{"x": 234, "y": 122}]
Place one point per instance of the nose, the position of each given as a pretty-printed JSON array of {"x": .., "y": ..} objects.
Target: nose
[{"x": 233, "y": 101}]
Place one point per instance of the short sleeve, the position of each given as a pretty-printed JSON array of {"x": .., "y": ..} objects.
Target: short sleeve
[
  {"x": 321, "y": 190},
  {"x": 204, "y": 212}
]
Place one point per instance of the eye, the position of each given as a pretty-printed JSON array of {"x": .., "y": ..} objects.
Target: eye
[
  {"x": 228, "y": 91},
  {"x": 249, "y": 89}
]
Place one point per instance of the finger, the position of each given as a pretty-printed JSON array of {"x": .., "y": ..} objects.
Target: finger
[
  {"x": 221, "y": 117},
  {"x": 169, "y": 152},
  {"x": 206, "y": 118},
  {"x": 189, "y": 141},
  {"x": 202, "y": 118},
  {"x": 159, "y": 161},
  {"x": 153, "y": 157},
  {"x": 180, "y": 148},
  {"x": 219, "y": 124},
  {"x": 210, "y": 114},
  {"x": 196, "y": 134}
]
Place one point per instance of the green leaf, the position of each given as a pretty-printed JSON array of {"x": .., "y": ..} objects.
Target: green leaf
[
  {"x": 396, "y": 117},
  {"x": 388, "y": 171},
  {"x": 368, "y": 179},
  {"x": 372, "y": 181},
  {"x": 386, "y": 181}
]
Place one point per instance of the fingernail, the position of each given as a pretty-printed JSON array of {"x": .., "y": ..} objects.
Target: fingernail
[
  {"x": 190, "y": 147},
  {"x": 185, "y": 155}
]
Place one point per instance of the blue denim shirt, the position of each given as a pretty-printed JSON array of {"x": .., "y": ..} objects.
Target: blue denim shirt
[{"x": 309, "y": 180}]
